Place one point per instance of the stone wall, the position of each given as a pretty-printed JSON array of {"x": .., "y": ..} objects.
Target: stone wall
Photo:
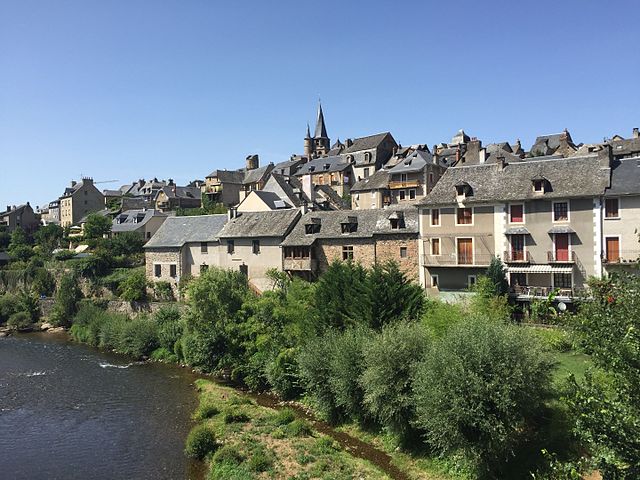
[
  {"x": 388, "y": 248},
  {"x": 164, "y": 258}
]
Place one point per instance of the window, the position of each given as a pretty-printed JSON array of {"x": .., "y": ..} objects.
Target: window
[
  {"x": 157, "y": 270},
  {"x": 402, "y": 194},
  {"x": 256, "y": 246},
  {"x": 311, "y": 228},
  {"x": 204, "y": 247},
  {"x": 173, "y": 271},
  {"x": 148, "y": 235},
  {"x": 517, "y": 248},
  {"x": 347, "y": 252},
  {"x": 86, "y": 192},
  {"x": 397, "y": 223},
  {"x": 516, "y": 213},
  {"x": 403, "y": 177},
  {"x": 435, "y": 217},
  {"x": 434, "y": 281},
  {"x": 435, "y": 246},
  {"x": 412, "y": 194},
  {"x": 611, "y": 208},
  {"x": 297, "y": 252},
  {"x": 471, "y": 280},
  {"x": 538, "y": 186},
  {"x": 203, "y": 268},
  {"x": 85, "y": 202},
  {"x": 560, "y": 211},
  {"x": 231, "y": 247},
  {"x": 431, "y": 179},
  {"x": 350, "y": 227},
  {"x": 562, "y": 280},
  {"x": 518, "y": 279},
  {"x": 464, "y": 216},
  {"x": 403, "y": 252},
  {"x": 366, "y": 173}
]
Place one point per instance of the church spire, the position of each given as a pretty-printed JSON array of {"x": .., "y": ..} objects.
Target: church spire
[
  {"x": 308, "y": 132},
  {"x": 321, "y": 129}
]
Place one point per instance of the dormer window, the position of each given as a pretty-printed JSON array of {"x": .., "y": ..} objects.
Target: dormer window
[
  {"x": 312, "y": 168},
  {"x": 463, "y": 189},
  {"x": 367, "y": 157},
  {"x": 349, "y": 225},
  {"x": 350, "y": 159},
  {"x": 396, "y": 220},
  {"x": 326, "y": 166},
  {"x": 312, "y": 227},
  {"x": 540, "y": 184}
]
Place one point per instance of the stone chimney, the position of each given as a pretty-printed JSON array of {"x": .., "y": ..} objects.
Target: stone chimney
[
  {"x": 253, "y": 162},
  {"x": 636, "y": 133},
  {"x": 473, "y": 151},
  {"x": 232, "y": 213},
  {"x": 501, "y": 162},
  {"x": 73, "y": 183},
  {"x": 348, "y": 142},
  {"x": 171, "y": 184},
  {"x": 604, "y": 156}
]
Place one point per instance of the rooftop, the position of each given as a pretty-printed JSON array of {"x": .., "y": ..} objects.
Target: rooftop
[{"x": 177, "y": 231}]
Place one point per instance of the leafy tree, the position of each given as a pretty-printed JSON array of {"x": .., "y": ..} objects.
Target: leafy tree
[
  {"x": 607, "y": 404},
  {"x": 134, "y": 287},
  {"x": 126, "y": 243},
  {"x": 43, "y": 283},
  {"x": 66, "y": 299},
  {"x": 21, "y": 252},
  {"x": 478, "y": 388},
  {"x": 49, "y": 237},
  {"x": 18, "y": 238},
  {"x": 496, "y": 273},
  {"x": 97, "y": 226}
]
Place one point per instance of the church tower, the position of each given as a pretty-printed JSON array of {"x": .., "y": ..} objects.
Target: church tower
[
  {"x": 320, "y": 137},
  {"x": 308, "y": 144}
]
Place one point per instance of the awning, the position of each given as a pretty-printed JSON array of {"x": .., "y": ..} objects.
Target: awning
[
  {"x": 517, "y": 231},
  {"x": 540, "y": 269},
  {"x": 562, "y": 229}
]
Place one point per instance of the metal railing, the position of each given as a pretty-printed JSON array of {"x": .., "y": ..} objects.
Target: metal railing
[
  {"x": 517, "y": 257},
  {"x": 531, "y": 291},
  {"x": 564, "y": 257},
  {"x": 455, "y": 260},
  {"x": 624, "y": 256}
]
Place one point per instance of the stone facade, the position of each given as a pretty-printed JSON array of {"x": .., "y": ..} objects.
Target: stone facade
[{"x": 164, "y": 258}]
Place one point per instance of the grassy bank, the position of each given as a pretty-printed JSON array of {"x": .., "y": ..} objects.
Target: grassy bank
[{"x": 253, "y": 441}]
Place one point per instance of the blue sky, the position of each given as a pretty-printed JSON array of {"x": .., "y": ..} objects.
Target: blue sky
[{"x": 123, "y": 89}]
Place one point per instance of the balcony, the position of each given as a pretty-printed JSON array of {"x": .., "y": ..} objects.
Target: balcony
[
  {"x": 405, "y": 184},
  {"x": 623, "y": 257},
  {"x": 300, "y": 264},
  {"x": 561, "y": 257},
  {"x": 517, "y": 257},
  {"x": 527, "y": 292},
  {"x": 460, "y": 260}
]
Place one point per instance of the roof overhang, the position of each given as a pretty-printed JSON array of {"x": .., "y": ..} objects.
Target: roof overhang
[
  {"x": 540, "y": 269},
  {"x": 561, "y": 229}
]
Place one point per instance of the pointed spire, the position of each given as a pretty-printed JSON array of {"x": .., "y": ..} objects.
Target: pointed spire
[
  {"x": 308, "y": 131},
  {"x": 321, "y": 129}
]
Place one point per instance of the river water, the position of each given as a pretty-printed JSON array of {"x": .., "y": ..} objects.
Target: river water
[{"x": 68, "y": 411}]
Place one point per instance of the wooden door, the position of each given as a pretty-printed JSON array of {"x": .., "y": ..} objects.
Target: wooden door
[
  {"x": 517, "y": 248},
  {"x": 613, "y": 249},
  {"x": 562, "y": 247},
  {"x": 465, "y": 251}
]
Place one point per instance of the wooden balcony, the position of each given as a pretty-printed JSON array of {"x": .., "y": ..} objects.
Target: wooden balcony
[
  {"x": 300, "y": 264},
  {"x": 405, "y": 184},
  {"x": 453, "y": 260},
  {"x": 517, "y": 257}
]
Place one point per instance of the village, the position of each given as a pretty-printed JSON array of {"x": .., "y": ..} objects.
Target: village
[{"x": 555, "y": 214}]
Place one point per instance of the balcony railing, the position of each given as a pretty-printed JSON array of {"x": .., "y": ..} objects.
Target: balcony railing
[
  {"x": 405, "y": 184},
  {"x": 540, "y": 292},
  {"x": 457, "y": 260},
  {"x": 561, "y": 257},
  {"x": 213, "y": 189},
  {"x": 625, "y": 256},
  {"x": 300, "y": 264},
  {"x": 517, "y": 257}
]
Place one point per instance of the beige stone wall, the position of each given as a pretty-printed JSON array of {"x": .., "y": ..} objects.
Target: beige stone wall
[
  {"x": 388, "y": 248},
  {"x": 253, "y": 203},
  {"x": 270, "y": 256},
  {"x": 626, "y": 227},
  {"x": 366, "y": 200},
  {"x": 164, "y": 258}
]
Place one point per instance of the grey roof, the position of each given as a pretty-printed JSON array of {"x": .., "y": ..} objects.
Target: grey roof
[
  {"x": 284, "y": 168},
  {"x": 630, "y": 146},
  {"x": 370, "y": 222},
  {"x": 332, "y": 201},
  {"x": 182, "y": 192},
  {"x": 176, "y": 231},
  {"x": 286, "y": 188},
  {"x": 131, "y": 220},
  {"x": 112, "y": 193},
  {"x": 625, "y": 177},
  {"x": 103, "y": 213},
  {"x": 366, "y": 143},
  {"x": 257, "y": 174},
  {"x": 324, "y": 164},
  {"x": 568, "y": 177},
  {"x": 13, "y": 211},
  {"x": 228, "y": 176},
  {"x": 516, "y": 231},
  {"x": 275, "y": 223},
  {"x": 379, "y": 180},
  {"x": 413, "y": 163},
  {"x": 561, "y": 229},
  {"x": 321, "y": 129},
  {"x": 553, "y": 141}
]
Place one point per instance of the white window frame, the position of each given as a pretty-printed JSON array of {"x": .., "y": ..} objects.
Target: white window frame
[
  {"x": 439, "y": 247},
  {"x": 437, "y": 282},
  {"x": 605, "y": 208},
  {"x": 473, "y": 217},
  {"x": 402, "y": 195},
  {"x": 475, "y": 280},
  {"x": 524, "y": 220},
  {"x": 473, "y": 251},
  {"x": 553, "y": 211},
  {"x": 431, "y": 224},
  {"x": 414, "y": 193}
]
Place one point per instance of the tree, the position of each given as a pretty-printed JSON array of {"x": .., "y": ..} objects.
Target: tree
[
  {"x": 496, "y": 273},
  {"x": 65, "y": 301},
  {"x": 49, "y": 237},
  {"x": 134, "y": 287},
  {"x": 126, "y": 243},
  {"x": 606, "y": 405},
  {"x": 97, "y": 226}
]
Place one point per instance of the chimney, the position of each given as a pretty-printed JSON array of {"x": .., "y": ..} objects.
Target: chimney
[
  {"x": 348, "y": 142},
  {"x": 501, "y": 162},
  {"x": 232, "y": 213},
  {"x": 604, "y": 156},
  {"x": 73, "y": 183},
  {"x": 253, "y": 162},
  {"x": 636, "y": 133},
  {"x": 8, "y": 208},
  {"x": 171, "y": 182},
  {"x": 457, "y": 154},
  {"x": 473, "y": 151},
  {"x": 307, "y": 188}
]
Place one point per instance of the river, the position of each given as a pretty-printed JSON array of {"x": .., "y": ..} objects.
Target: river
[{"x": 69, "y": 411}]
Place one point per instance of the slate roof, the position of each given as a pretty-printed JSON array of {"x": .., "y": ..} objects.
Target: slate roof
[
  {"x": 625, "y": 177},
  {"x": 275, "y": 223},
  {"x": 228, "y": 176},
  {"x": 370, "y": 222},
  {"x": 69, "y": 191},
  {"x": 366, "y": 143},
  {"x": 177, "y": 231},
  {"x": 131, "y": 220},
  {"x": 112, "y": 193},
  {"x": 15, "y": 211},
  {"x": 103, "y": 213},
  {"x": 630, "y": 146},
  {"x": 332, "y": 201},
  {"x": 257, "y": 174},
  {"x": 377, "y": 181},
  {"x": 182, "y": 192},
  {"x": 323, "y": 165},
  {"x": 569, "y": 177},
  {"x": 285, "y": 188},
  {"x": 272, "y": 199},
  {"x": 413, "y": 163}
]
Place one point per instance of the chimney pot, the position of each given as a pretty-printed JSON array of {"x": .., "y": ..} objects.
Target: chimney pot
[{"x": 636, "y": 133}]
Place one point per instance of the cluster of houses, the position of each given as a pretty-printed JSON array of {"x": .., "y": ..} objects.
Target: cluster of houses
[{"x": 555, "y": 214}]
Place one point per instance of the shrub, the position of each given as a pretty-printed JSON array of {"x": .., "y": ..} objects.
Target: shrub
[
  {"x": 138, "y": 338},
  {"x": 19, "y": 321},
  {"x": 556, "y": 339},
  {"x": 390, "y": 360},
  {"x": 261, "y": 460},
  {"x": 284, "y": 416},
  {"x": 111, "y": 331},
  {"x": 235, "y": 415},
  {"x": 206, "y": 410},
  {"x": 314, "y": 373},
  {"x": 298, "y": 428},
  {"x": 439, "y": 317},
  {"x": 282, "y": 374},
  {"x": 170, "y": 327},
  {"x": 9, "y": 304},
  {"x": 134, "y": 287},
  {"x": 66, "y": 299},
  {"x": 200, "y": 442},
  {"x": 43, "y": 283},
  {"x": 478, "y": 387},
  {"x": 228, "y": 454},
  {"x": 63, "y": 255},
  {"x": 163, "y": 291},
  {"x": 497, "y": 278},
  {"x": 30, "y": 304},
  {"x": 163, "y": 355}
]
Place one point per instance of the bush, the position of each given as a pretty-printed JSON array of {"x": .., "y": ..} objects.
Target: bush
[
  {"x": 261, "y": 460},
  {"x": 163, "y": 291},
  {"x": 315, "y": 372},
  {"x": 200, "y": 442},
  {"x": 439, "y": 317},
  {"x": 66, "y": 299},
  {"x": 134, "y": 287},
  {"x": 170, "y": 327},
  {"x": 298, "y": 428},
  {"x": 19, "y": 321},
  {"x": 477, "y": 389},
  {"x": 111, "y": 330},
  {"x": 555, "y": 339},
  {"x": 43, "y": 283},
  {"x": 284, "y": 416},
  {"x": 139, "y": 337},
  {"x": 163, "y": 355},
  {"x": 9, "y": 304},
  {"x": 390, "y": 360},
  {"x": 228, "y": 454},
  {"x": 282, "y": 374},
  {"x": 235, "y": 415},
  {"x": 63, "y": 255},
  {"x": 206, "y": 410}
]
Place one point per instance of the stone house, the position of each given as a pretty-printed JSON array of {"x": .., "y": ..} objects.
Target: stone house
[
  {"x": 368, "y": 154},
  {"x": 183, "y": 246},
  {"x": 250, "y": 242},
  {"x": 172, "y": 197},
  {"x": 21, "y": 216},
  {"x": 144, "y": 222},
  {"x": 371, "y": 192},
  {"x": 79, "y": 200},
  {"x": 625, "y": 147},
  {"x": 413, "y": 177},
  {"x": 332, "y": 171},
  {"x": 364, "y": 236},
  {"x": 539, "y": 216},
  {"x": 223, "y": 186}
]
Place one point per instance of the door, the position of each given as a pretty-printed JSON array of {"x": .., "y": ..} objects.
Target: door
[
  {"x": 613, "y": 249},
  {"x": 517, "y": 248},
  {"x": 244, "y": 270},
  {"x": 562, "y": 247},
  {"x": 465, "y": 251}
]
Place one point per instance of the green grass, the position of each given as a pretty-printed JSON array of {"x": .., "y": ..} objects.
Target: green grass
[{"x": 571, "y": 362}]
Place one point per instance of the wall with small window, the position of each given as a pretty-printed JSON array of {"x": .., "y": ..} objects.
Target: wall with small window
[
  {"x": 621, "y": 220},
  {"x": 164, "y": 265}
]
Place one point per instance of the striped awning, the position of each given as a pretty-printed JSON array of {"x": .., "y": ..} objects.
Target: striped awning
[{"x": 540, "y": 269}]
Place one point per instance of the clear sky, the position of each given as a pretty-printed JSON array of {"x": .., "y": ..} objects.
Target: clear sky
[{"x": 123, "y": 89}]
